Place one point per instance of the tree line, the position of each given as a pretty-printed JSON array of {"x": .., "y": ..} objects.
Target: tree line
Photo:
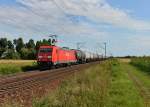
[{"x": 18, "y": 49}]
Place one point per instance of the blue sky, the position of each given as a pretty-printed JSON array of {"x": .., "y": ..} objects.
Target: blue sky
[
  {"x": 124, "y": 25},
  {"x": 139, "y": 8}
]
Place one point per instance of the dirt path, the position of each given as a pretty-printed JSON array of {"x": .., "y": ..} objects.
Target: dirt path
[{"x": 143, "y": 90}]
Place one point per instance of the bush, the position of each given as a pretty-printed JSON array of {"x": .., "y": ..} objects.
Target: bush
[
  {"x": 143, "y": 63},
  {"x": 28, "y": 53},
  {"x": 10, "y": 54}
]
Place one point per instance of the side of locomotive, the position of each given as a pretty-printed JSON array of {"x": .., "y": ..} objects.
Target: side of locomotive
[
  {"x": 53, "y": 55},
  {"x": 56, "y": 56}
]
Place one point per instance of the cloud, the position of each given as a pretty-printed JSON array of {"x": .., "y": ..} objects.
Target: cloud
[
  {"x": 35, "y": 20},
  {"x": 34, "y": 16},
  {"x": 140, "y": 41},
  {"x": 90, "y": 19},
  {"x": 95, "y": 10}
]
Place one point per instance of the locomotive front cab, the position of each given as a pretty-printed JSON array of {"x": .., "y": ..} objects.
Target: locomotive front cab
[{"x": 45, "y": 55}]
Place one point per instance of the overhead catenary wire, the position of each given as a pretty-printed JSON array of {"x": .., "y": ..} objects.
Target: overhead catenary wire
[{"x": 61, "y": 9}]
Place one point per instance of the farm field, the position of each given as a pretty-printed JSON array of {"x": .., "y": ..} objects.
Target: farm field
[{"x": 8, "y": 67}]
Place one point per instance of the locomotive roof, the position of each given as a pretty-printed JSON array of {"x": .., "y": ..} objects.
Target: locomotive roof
[{"x": 47, "y": 46}]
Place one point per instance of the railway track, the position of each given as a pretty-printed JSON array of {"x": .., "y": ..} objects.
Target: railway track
[{"x": 16, "y": 86}]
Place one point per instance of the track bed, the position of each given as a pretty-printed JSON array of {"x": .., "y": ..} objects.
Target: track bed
[{"x": 23, "y": 87}]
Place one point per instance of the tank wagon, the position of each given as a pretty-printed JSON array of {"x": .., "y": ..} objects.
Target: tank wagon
[
  {"x": 56, "y": 56},
  {"x": 81, "y": 56}
]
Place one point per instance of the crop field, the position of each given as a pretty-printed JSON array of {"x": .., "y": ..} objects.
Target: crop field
[{"x": 15, "y": 66}]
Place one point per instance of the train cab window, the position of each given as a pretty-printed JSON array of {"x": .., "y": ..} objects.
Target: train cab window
[{"x": 45, "y": 50}]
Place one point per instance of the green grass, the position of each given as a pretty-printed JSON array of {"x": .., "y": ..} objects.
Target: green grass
[
  {"x": 86, "y": 89},
  {"x": 142, "y": 63},
  {"x": 15, "y": 66},
  {"x": 142, "y": 76},
  {"x": 122, "y": 92},
  {"x": 103, "y": 85}
]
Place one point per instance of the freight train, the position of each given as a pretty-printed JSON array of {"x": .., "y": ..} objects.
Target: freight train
[{"x": 54, "y": 56}]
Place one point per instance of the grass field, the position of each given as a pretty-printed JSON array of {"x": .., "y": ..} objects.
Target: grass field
[
  {"x": 105, "y": 85},
  {"x": 142, "y": 63},
  {"x": 108, "y": 84},
  {"x": 142, "y": 70},
  {"x": 122, "y": 91},
  {"x": 15, "y": 66},
  {"x": 87, "y": 88}
]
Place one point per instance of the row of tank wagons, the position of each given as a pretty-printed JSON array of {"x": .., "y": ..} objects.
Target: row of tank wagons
[
  {"x": 92, "y": 56},
  {"x": 84, "y": 56}
]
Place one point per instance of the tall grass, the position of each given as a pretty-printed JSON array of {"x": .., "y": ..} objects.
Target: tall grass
[
  {"x": 122, "y": 91},
  {"x": 142, "y": 70},
  {"x": 104, "y": 85},
  {"x": 13, "y": 66},
  {"x": 86, "y": 89},
  {"x": 143, "y": 63}
]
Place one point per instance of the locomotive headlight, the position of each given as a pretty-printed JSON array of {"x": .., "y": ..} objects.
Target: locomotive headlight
[
  {"x": 49, "y": 57},
  {"x": 40, "y": 57}
]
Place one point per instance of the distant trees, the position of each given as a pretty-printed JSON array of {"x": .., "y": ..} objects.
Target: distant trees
[
  {"x": 19, "y": 44},
  {"x": 30, "y": 44},
  {"x": 3, "y": 45},
  {"x": 10, "y": 45},
  {"x": 20, "y": 50},
  {"x": 43, "y": 42}
]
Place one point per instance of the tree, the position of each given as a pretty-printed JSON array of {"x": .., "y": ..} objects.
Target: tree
[
  {"x": 10, "y": 45},
  {"x": 24, "y": 53},
  {"x": 50, "y": 41},
  {"x": 32, "y": 54},
  {"x": 28, "y": 53},
  {"x": 10, "y": 54},
  {"x": 19, "y": 44},
  {"x": 3, "y": 42},
  {"x": 15, "y": 41},
  {"x": 43, "y": 42},
  {"x": 38, "y": 44},
  {"x": 30, "y": 44},
  {"x": 3, "y": 45}
]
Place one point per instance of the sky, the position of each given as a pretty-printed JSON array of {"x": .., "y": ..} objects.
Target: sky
[{"x": 123, "y": 24}]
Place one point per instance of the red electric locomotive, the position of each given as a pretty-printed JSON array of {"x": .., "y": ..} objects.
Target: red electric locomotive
[{"x": 54, "y": 55}]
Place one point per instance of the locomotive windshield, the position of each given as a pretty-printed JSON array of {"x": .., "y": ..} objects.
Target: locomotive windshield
[{"x": 45, "y": 50}]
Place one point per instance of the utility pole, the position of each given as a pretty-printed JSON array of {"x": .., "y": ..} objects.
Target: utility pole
[
  {"x": 105, "y": 49},
  {"x": 103, "y": 46},
  {"x": 78, "y": 45}
]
